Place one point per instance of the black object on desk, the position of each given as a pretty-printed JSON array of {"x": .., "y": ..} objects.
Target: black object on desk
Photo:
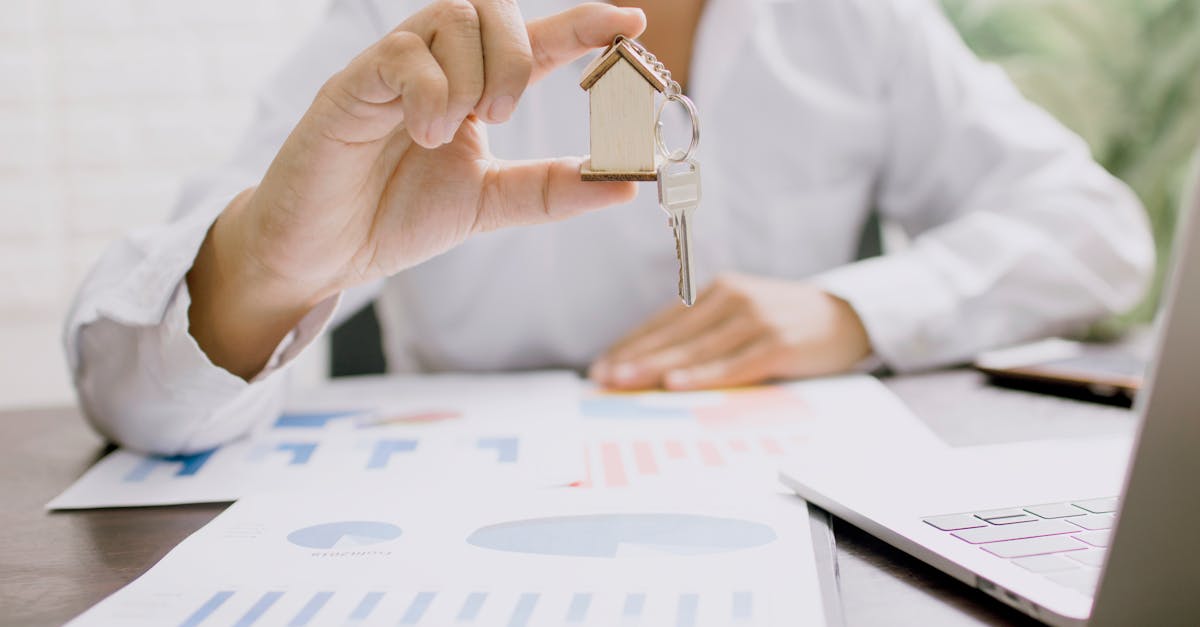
[{"x": 1099, "y": 373}]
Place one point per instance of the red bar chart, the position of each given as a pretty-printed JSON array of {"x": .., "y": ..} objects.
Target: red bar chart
[{"x": 624, "y": 463}]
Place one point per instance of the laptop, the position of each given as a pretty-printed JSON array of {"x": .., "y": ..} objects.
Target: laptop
[{"x": 1099, "y": 531}]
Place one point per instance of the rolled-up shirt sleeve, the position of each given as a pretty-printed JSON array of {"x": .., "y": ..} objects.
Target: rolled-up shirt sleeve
[
  {"x": 1016, "y": 231},
  {"x": 141, "y": 378}
]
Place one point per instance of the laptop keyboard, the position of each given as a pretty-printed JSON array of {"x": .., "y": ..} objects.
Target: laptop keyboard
[{"x": 1066, "y": 542}]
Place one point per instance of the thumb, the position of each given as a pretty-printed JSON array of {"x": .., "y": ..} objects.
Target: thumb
[
  {"x": 564, "y": 37},
  {"x": 519, "y": 193}
]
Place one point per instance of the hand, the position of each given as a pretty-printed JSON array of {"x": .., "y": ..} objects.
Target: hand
[
  {"x": 742, "y": 330},
  {"x": 390, "y": 166}
]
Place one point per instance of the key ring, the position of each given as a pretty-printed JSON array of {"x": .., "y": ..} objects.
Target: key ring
[{"x": 677, "y": 156}]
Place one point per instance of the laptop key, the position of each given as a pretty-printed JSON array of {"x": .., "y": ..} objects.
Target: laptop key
[
  {"x": 954, "y": 522},
  {"x": 1000, "y": 533},
  {"x": 1033, "y": 546},
  {"x": 1005, "y": 516},
  {"x": 1047, "y": 563},
  {"x": 1099, "y": 506},
  {"x": 1095, "y": 538},
  {"x": 1090, "y": 557},
  {"x": 1094, "y": 521},
  {"x": 1055, "y": 510}
]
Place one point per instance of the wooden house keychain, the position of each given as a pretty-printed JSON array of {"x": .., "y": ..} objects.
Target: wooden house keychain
[{"x": 627, "y": 141}]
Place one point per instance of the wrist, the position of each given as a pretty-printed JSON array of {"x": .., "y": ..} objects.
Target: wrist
[
  {"x": 251, "y": 262},
  {"x": 848, "y": 329},
  {"x": 240, "y": 312}
]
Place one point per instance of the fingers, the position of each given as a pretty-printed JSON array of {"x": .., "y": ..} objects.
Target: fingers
[
  {"x": 396, "y": 80},
  {"x": 519, "y": 193},
  {"x": 507, "y": 58},
  {"x": 454, "y": 58},
  {"x": 752, "y": 364},
  {"x": 484, "y": 50},
  {"x": 456, "y": 41},
  {"x": 564, "y": 37},
  {"x": 489, "y": 55},
  {"x": 724, "y": 338}
]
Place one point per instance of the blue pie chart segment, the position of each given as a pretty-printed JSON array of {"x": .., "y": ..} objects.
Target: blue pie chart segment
[
  {"x": 624, "y": 535},
  {"x": 347, "y": 534}
]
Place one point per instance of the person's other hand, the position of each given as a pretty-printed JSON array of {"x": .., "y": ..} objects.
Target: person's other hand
[
  {"x": 390, "y": 166},
  {"x": 742, "y": 330}
]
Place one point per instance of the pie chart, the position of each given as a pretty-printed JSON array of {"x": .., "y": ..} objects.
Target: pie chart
[
  {"x": 347, "y": 534},
  {"x": 624, "y": 535}
]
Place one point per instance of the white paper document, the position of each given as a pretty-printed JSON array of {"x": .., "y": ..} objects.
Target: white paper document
[
  {"x": 542, "y": 430},
  {"x": 362, "y": 428},
  {"x": 388, "y": 554}
]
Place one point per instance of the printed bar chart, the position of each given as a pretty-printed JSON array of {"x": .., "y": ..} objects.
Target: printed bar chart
[
  {"x": 523, "y": 611},
  {"x": 471, "y": 607},
  {"x": 301, "y": 451},
  {"x": 296, "y": 453},
  {"x": 621, "y": 464},
  {"x": 383, "y": 451},
  {"x": 420, "y": 605},
  {"x": 428, "y": 607},
  {"x": 189, "y": 465},
  {"x": 311, "y": 608},
  {"x": 578, "y": 610},
  {"x": 259, "y": 608},
  {"x": 363, "y": 610},
  {"x": 204, "y": 611},
  {"x": 689, "y": 606},
  {"x": 313, "y": 420},
  {"x": 506, "y": 448}
]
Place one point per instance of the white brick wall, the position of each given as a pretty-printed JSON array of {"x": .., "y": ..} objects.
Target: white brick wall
[{"x": 104, "y": 108}]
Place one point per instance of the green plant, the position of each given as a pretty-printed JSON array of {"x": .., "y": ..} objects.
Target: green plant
[{"x": 1124, "y": 74}]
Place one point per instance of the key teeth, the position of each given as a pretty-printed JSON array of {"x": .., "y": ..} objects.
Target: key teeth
[{"x": 679, "y": 258}]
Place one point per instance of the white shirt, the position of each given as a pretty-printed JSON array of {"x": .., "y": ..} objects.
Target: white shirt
[{"x": 813, "y": 113}]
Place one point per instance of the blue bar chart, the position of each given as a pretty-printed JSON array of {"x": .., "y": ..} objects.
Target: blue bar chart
[
  {"x": 290, "y": 453},
  {"x": 187, "y": 465},
  {"x": 506, "y": 448},
  {"x": 480, "y": 607},
  {"x": 384, "y": 450},
  {"x": 313, "y": 420},
  {"x": 311, "y": 609}
]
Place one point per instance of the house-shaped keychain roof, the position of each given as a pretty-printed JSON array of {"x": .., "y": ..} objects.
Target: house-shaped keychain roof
[{"x": 621, "y": 87}]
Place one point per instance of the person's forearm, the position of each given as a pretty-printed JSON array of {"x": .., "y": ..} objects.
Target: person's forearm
[{"x": 239, "y": 313}]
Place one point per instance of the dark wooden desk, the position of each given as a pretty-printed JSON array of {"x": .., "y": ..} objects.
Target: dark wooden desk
[{"x": 54, "y": 566}]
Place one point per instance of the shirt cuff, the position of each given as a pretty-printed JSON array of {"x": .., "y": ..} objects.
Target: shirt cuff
[
  {"x": 194, "y": 380},
  {"x": 895, "y": 296}
]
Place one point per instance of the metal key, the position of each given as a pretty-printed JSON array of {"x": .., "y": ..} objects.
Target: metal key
[{"x": 679, "y": 195}]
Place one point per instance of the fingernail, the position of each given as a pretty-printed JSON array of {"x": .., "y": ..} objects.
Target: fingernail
[
  {"x": 437, "y": 130},
  {"x": 625, "y": 372},
  {"x": 502, "y": 108},
  {"x": 678, "y": 378},
  {"x": 452, "y": 130}
]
